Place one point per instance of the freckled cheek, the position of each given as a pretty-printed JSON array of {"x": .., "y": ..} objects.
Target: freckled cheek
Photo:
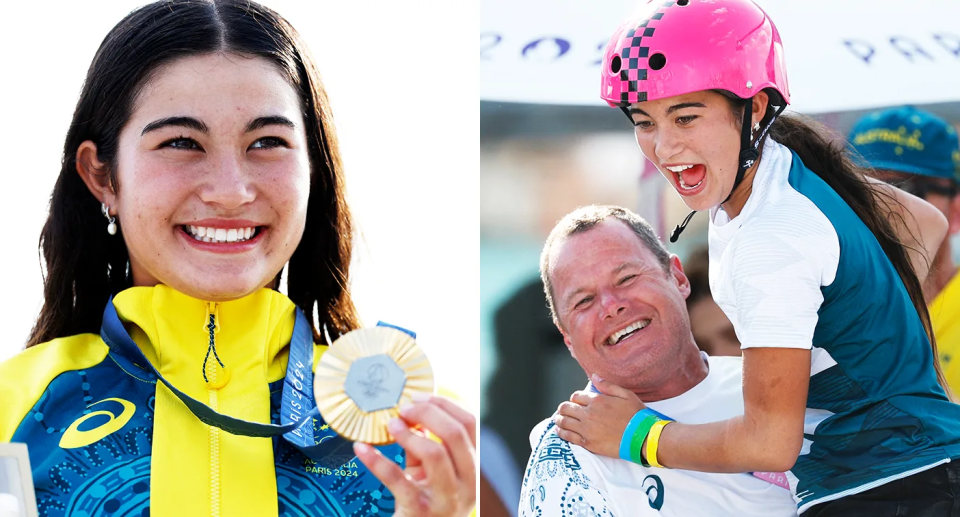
[
  {"x": 150, "y": 197},
  {"x": 285, "y": 176},
  {"x": 725, "y": 156},
  {"x": 290, "y": 199}
]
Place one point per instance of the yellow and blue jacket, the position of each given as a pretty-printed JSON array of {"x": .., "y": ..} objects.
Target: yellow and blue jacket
[
  {"x": 945, "y": 317},
  {"x": 104, "y": 439}
]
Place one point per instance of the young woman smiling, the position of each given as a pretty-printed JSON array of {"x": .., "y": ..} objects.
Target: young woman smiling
[
  {"x": 816, "y": 267},
  {"x": 201, "y": 162}
]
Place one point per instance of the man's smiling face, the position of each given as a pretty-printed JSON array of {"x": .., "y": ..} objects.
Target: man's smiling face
[{"x": 621, "y": 313}]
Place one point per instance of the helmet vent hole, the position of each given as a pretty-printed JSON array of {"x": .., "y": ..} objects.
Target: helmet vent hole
[
  {"x": 658, "y": 61},
  {"x": 615, "y": 64},
  {"x": 682, "y": 3}
]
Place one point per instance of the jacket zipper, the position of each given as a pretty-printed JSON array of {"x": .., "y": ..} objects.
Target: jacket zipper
[{"x": 214, "y": 404}]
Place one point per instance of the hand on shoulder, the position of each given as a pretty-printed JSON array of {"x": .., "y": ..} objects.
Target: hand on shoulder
[{"x": 596, "y": 421}]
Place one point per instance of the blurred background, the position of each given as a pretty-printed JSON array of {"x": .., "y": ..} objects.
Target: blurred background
[
  {"x": 548, "y": 145},
  {"x": 410, "y": 155}
]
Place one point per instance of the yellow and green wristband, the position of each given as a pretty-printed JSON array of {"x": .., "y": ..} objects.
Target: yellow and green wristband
[{"x": 645, "y": 425}]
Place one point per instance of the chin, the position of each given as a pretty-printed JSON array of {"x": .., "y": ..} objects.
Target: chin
[
  {"x": 211, "y": 291},
  {"x": 701, "y": 202},
  {"x": 693, "y": 203}
]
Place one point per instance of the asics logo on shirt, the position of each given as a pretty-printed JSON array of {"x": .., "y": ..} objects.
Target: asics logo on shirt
[
  {"x": 654, "y": 491},
  {"x": 74, "y": 438}
]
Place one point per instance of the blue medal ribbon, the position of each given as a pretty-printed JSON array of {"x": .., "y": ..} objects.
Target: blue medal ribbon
[{"x": 304, "y": 429}]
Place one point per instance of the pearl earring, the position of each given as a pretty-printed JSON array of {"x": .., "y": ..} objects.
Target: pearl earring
[{"x": 111, "y": 221}]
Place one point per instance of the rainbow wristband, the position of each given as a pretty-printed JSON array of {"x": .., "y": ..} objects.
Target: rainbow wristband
[
  {"x": 653, "y": 441},
  {"x": 636, "y": 443},
  {"x": 636, "y": 431}
]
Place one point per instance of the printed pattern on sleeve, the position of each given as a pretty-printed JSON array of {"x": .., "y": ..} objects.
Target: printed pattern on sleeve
[{"x": 555, "y": 485}]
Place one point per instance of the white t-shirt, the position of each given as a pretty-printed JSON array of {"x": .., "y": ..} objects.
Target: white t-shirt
[
  {"x": 567, "y": 480},
  {"x": 767, "y": 277}
]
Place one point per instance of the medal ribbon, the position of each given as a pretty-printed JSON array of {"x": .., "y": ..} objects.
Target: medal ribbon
[{"x": 304, "y": 429}]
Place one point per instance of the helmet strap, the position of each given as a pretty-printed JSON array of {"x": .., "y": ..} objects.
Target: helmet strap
[
  {"x": 750, "y": 150},
  {"x": 748, "y": 153},
  {"x": 681, "y": 227}
]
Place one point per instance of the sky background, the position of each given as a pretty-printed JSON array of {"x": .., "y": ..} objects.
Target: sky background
[{"x": 404, "y": 92}]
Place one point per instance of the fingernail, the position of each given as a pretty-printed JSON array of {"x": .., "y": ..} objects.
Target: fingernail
[
  {"x": 421, "y": 397},
  {"x": 596, "y": 378},
  {"x": 405, "y": 408},
  {"x": 361, "y": 448},
  {"x": 395, "y": 425}
]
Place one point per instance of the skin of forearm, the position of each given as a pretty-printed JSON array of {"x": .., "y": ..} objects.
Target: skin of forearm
[{"x": 729, "y": 446}]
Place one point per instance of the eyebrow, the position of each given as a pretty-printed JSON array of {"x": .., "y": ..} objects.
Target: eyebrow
[
  {"x": 671, "y": 109},
  {"x": 275, "y": 120},
  {"x": 192, "y": 123},
  {"x": 187, "y": 122}
]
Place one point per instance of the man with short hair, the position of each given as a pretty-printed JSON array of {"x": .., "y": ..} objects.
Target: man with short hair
[
  {"x": 617, "y": 296},
  {"x": 920, "y": 153}
]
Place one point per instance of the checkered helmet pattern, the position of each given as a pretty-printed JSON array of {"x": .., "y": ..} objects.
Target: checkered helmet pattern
[{"x": 670, "y": 48}]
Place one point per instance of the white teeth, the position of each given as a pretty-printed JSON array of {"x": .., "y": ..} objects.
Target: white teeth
[
  {"x": 685, "y": 186},
  {"x": 615, "y": 338},
  {"x": 208, "y": 234},
  {"x": 679, "y": 171}
]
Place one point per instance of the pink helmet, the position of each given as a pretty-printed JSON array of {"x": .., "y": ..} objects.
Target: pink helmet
[{"x": 671, "y": 48}]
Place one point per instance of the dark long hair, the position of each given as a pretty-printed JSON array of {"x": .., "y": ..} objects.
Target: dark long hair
[
  {"x": 85, "y": 266},
  {"x": 831, "y": 160}
]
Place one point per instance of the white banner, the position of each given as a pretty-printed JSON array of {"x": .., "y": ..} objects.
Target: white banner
[{"x": 841, "y": 55}]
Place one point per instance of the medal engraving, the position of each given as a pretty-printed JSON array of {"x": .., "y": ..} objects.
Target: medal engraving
[
  {"x": 363, "y": 378},
  {"x": 374, "y": 383}
]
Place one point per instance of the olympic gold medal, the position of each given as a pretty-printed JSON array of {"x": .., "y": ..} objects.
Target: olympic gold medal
[{"x": 363, "y": 378}]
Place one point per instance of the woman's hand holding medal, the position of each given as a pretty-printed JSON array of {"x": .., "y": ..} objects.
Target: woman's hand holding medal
[
  {"x": 375, "y": 386},
  {"x": 440, "y": 477}
]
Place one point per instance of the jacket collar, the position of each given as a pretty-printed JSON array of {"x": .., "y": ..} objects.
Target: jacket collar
[{"x": 251, "y": 336}]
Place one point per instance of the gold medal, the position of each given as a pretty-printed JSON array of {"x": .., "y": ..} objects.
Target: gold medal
[{"x": 363, "y": 378}]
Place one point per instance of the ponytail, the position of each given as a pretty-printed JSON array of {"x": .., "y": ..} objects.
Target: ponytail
[{"x": 833, "y": 163}]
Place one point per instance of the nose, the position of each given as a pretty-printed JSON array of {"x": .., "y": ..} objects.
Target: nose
[
  {"x": 228, "y": 184},
  {"x": 610, "y": 304},
  {"x": 668, "y": 143}
]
